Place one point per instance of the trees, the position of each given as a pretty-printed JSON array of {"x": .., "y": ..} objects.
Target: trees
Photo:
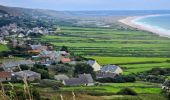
[
  {"x": 83, "y": 68},
  {"x": 42, "y": 70},
  {"x": 64, "y": 48},
  {"x": 127, "y": 91},
  {"x": 118, "y": 79}
]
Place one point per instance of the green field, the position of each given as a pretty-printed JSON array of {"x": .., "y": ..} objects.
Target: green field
[
  {"x": 139, "y": 87},
  {"x": 145, "y": 90},
  {"x": 3, "y": 48},
  {"x": 134, "y": 50},
  {"x": 134, "y": 64},
  {"x": 110, "y": 42}
]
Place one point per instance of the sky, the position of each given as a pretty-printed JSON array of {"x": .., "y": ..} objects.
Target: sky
[{"x": 79, "y": 5}]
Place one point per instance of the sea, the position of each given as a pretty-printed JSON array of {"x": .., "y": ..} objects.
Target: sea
[{"x": 160, "y": 22}]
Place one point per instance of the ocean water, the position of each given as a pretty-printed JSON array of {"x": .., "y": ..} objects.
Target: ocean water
[
  {"x": 118, "y": 12},
  {"x": 159, "y": 22}
]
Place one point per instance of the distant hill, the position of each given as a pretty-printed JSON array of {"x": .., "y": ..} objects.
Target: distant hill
[
  {"x": 16, "y": 11},
  {"x": 9, "y": 10}
]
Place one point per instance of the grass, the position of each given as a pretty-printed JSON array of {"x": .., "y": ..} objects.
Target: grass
[
  {"x": 110, "y": 42},
  {"x": 134, "y": 64},
  {"x": 139, "y": 87},
  {"x": 3, "y": 48},
  {"x": 125, "y": 60},
  {"x": 139, "y": 97}
]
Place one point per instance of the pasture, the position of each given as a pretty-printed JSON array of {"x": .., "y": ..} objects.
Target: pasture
[
  {"x": 134, "y": 50},
  {"x": 110, "y": 42}
]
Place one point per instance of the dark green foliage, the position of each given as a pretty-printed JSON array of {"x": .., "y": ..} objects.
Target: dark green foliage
[
  {"x": 159, "y": 71},
  {"x": 63, "y": 68},
  {"x": 101, "y": 93},
  {"x": 126, "y": 91},
  {"x": 166, "y": 93},
  {"x": 118, "y": 79},
  {"x": 50, "y": 83},
  {"x": 83, "y": 68},
  {"x": 24, "y": 67},
  {"x": 64, "y": 48},
  {"x": 36, "y": 95},
  {"x": 42, "y": 70},
  {"x": 155, "y": 75}
]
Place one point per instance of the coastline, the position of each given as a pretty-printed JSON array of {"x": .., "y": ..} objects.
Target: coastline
[{"x": 131, "y": 21}]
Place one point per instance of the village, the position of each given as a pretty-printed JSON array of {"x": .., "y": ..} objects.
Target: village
[{"x": 46, "y": 56}]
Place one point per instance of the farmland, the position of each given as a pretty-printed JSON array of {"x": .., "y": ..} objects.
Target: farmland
[
  {"x": 135, "y": 64},
  {"x": 139, "y": 87},
  {"x": 137, "y": 51},
  {"x": 110, "y": 42}
]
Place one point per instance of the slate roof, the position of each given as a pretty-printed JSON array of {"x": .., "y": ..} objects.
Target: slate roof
[
  {"x": 166, "y": 83},
  {"x": 94, "y": 65},
  {"x": 105, "y": 75},
  {"x": 12, "y": 64},
  {"x": 38, "y": 47},
  {"x": 109, "y": 68},
  {"x": 51, "y": 54},
  {"x": 91, "y": 62},
  {"x": 26, "y": 73},
  {"x": 61, "y": 77},
  {"x": 86, "y": 78},
  {"x": 81, "y": 80}
]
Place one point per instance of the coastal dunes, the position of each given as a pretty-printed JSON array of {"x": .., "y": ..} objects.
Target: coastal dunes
[{"x": 131, "y": 21}]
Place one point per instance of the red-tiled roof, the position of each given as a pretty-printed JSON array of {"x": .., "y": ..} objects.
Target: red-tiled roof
[
  {"x": 65, "y": 60},
  {"x": 5, "y": 74}
]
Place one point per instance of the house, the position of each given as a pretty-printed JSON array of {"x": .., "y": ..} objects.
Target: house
[
  {"x": 34, "y": 51},
  {"x": 61, "y": 77},
  {"x": 2, "y": 41},
  {"x": 12, "y": 65},
  {"x": 21, "y": 35},
  {"x": 166, "y": 85},
  {"x": 105, "y": 75},
  {"x": 46, "y": 57},
  {"x": 111, "y": 69},
  {"x": 52, "y": 55},
  {"x": 64, "y": 53},
  {"x": 5, "y": 76},
  {"x": 38, "y": 47},
  {"x": 83, "y": 79},
  {"x": 65, "y": 60},
  {"x": 94, "y": 65},
  {"x": 29, "y": 75}
]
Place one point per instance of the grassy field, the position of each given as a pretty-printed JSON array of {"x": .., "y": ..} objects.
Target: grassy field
[
  {"x": 110, "y": 42},
  {"x": 134, "y": 64},
  {"x": 139, "y": 87},
  {"x": 145, "y": 90},
  {"x": 136, "y": 50},
  {"x": 3, "y": 48}
]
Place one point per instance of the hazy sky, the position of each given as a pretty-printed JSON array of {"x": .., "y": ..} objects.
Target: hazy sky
[{"x": 90, "y": 4}]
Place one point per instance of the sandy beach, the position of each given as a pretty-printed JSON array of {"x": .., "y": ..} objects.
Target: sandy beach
[{"x": 130, "y": 21}]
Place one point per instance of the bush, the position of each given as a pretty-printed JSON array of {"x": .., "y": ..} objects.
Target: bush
[
  {"x": 127, "y": 91},
  {"x": 50, "y": 83},
  {"x": 118, "y": 79},
  {"x": 101, "y": 93}
]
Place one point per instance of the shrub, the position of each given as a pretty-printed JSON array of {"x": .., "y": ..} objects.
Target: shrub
[
  {"x": 127, "y": 91},
  {"x": 50, "y": 83},
  {"x": 118, "y": 79}
]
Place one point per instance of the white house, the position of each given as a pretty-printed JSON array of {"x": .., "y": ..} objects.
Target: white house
[{"x": 94, "y": 65}]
